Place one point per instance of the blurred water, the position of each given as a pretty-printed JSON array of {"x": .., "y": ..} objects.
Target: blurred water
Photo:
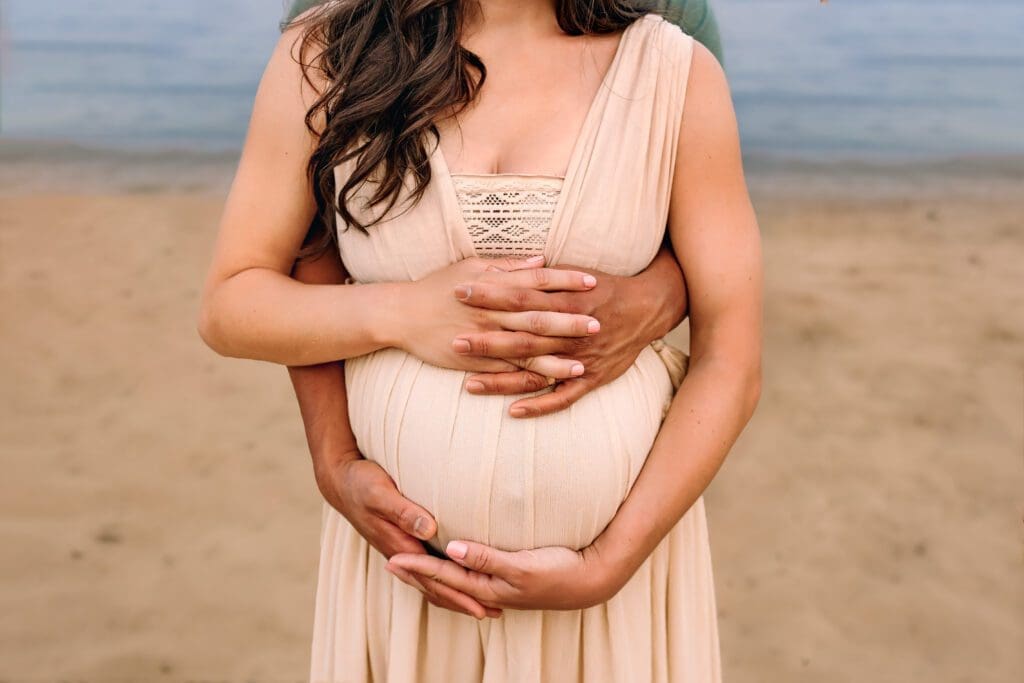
[
  {"x": 850, "y": 79},
  {"x": 867, "y": 78}
]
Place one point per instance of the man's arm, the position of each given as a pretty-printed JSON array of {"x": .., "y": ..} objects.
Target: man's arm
[{"x": 358, "y": 488}]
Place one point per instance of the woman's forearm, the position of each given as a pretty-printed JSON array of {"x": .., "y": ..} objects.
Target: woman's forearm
[
  {"x": 714, "y": 233},
  {"x": 266, "y": 315},
  {"x": 710, "y": 409}
]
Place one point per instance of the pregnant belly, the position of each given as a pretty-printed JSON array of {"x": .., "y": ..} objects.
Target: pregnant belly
[{"x": 487, "y": 477}]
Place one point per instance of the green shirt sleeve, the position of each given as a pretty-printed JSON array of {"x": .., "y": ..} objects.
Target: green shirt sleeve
[
  {"x": 695, "y": 17},
  {"x": 297, "y": 8}
]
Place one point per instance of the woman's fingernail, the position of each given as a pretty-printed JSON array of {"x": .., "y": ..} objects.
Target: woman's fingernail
[
  {"x": 457, "y": 549},
  {"x": 461, "y": 346},
  {"x": 576, "y": 370},
  {"x": 589, "y": 280},
  {"x": 463, "y": 292},
  {"x": 474, "y": 385},
  {"x": 517, "y": 412},
  {"x": 535, "y": 259},
  {"x": 593, "y": 327}
]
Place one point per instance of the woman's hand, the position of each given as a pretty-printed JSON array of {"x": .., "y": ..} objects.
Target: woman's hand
[
  {"x": 543, "y": 578},
  {"x": 633, "y": 312},
  {"x": 432, "y": 315}
]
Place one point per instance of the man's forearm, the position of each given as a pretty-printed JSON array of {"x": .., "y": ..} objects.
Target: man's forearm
[
  {"x": 323, "y": 403},
  {"x": 661, "y": 290},
  {"x": 320, "y": 389}
]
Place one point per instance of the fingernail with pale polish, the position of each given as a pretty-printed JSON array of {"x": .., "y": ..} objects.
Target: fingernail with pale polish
[
  {"x": 576, "y": 370},
  {"x": 461, "y": 346},
  {"x": 593, "y": 327},
  {"x": 457, "y": 549},
  {"x": 535, "y": 259},
  {"x": 463, "y": 292},
  {"x": 517, "y": 412},
  {"x": 589, "y": 280},
  {"x": 473, "y": 385}
]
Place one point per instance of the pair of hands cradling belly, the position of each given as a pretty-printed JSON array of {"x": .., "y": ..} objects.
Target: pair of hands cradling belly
[{"x": 517, "y": 326}]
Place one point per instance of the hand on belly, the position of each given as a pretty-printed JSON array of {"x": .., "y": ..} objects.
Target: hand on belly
[{"x": 511, "y": 483}]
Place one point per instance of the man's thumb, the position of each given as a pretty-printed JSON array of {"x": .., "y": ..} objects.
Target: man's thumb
[{"x": 414, "y": 520}]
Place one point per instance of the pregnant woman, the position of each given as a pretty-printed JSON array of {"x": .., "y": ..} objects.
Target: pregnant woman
[{"x": 421, "y": 127}]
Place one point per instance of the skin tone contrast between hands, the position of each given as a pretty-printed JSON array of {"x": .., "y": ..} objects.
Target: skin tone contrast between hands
[
  {"x": 512, "y": 323},
  {"x": 364, "y": 493},
  {"x": 714, "y": 234}
]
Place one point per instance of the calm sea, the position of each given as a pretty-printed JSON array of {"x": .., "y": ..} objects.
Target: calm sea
[{"x": 847, "y": 79}]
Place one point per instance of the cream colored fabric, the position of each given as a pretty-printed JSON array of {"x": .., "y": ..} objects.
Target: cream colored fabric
[
  {"x": 507, "y": 214},
  {"x": 523, "y": 483}
]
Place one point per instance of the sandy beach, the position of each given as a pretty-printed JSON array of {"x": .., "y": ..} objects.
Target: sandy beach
[{"x": 161, "y": 521}]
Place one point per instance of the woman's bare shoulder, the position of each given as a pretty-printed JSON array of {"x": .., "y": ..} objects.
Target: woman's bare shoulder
[{"x": 294, "y": 72}]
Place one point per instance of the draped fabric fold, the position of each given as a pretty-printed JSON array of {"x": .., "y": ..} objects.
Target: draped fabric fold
[{"x": 524, "y": 483}]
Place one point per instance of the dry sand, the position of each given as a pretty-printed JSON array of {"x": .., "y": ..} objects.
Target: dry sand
[{"x": 161, "y": 523}]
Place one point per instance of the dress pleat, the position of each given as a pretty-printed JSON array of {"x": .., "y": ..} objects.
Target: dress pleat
[{"x": 525, "y": 483}]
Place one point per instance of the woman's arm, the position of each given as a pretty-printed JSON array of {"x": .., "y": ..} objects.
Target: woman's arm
[
  {"x": 716, "y": 237},
  {"x": 715, "y": 234},
  {"x": 251, "y": 308}
]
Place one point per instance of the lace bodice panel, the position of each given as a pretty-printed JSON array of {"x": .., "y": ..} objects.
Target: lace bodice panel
[{"x": 507, "y": 214}]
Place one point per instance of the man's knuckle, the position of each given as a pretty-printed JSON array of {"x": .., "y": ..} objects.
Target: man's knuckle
[
  {"x": 571, "y": 302},
  {"x": 374, "y": 495},
  {"x": 538, "y": 323},
  {"x": 522, "y": 346},
  {"x": 541, "y": 277},
  {"x": 533, "y": 381},
  {"x": 404, "y": 516}
]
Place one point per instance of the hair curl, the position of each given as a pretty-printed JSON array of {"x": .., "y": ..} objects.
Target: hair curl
[{"x": 392, "y": 68}]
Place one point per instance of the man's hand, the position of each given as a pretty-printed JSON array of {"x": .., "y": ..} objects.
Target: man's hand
[
  {"x": 632, "y": 312},
  {"x": 367, "y": 497}
]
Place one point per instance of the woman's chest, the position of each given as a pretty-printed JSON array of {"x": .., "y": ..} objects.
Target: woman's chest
[{"x": 530, "y": 108}]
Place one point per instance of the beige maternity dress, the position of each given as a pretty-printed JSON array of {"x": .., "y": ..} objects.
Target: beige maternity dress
[{"x": 524, "y": 483}]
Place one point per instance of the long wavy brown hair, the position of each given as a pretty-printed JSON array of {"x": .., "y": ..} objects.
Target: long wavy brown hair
[{"x": 392, "y": 68}]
